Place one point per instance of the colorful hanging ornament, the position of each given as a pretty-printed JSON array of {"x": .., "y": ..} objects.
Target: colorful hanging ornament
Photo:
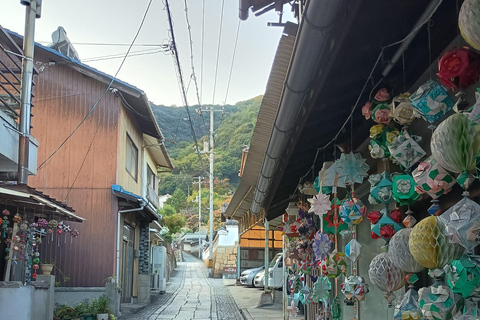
[
  {"x": 404, "y": 189},
  {"x": 321, "y": 290},
  {"x": 432, "y": 179},
  {"x": 354, "y": 288},
  {"x": 469, "y": 311},
  {"x": 332, "y": 225},
  {"x": 439, "y": 302},
  {"x": 386, "y": 276},
  {"x": 16, "y": 219},
  {"x": 385, "y": 227},
  {"x": 462, "y": 216},
  {"x": 352, "y": 211},
  {"x": 381, "y": 187},
  {"x": 431, "y": 101},
  {"x": 469, "y": 22},
  {"x": 399, "y": 252},
  {"x": 292, "y": 309},
  {"x": 327, "y": 178},
  {"x": 408, "y": 308},
  {"x": 403, "y": 111},
  {"x": 405, "y": 149},
  {"x": 455, "y": 143},
  {"x": 321, "y": 246},
  {"x": 335, "y": 265},
  {"x": 463, "y": 276},
  {"x": 353, "y": 250},
  {"x": 430, "y": 246},
  {"x": 320, "y": 204},
  {"x": 351, "y": 168},
  {"x": 459, "y": 68}
]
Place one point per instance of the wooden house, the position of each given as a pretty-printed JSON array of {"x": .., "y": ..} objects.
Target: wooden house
[{"x": 99, "y": 151}]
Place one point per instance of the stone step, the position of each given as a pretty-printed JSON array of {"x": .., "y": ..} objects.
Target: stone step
[{"x": 131, "y": 308}]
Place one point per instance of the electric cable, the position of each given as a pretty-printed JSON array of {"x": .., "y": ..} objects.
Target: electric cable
[
  {"x": 103, "y": 95},
  {"x": 233, "y": 61},
  {"x": 218, "y": 52}
]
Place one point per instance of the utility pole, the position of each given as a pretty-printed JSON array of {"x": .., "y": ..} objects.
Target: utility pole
[
  {"x": 211, "y": 152},
  {"x": 199, "y": 216},
  {"x": 32, "y": 11}
]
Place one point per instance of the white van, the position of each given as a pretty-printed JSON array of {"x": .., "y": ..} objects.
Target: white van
[{"x": 275, "y": 272}]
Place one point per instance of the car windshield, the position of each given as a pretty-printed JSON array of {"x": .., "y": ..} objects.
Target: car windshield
[{"x": 274, "y": 260}]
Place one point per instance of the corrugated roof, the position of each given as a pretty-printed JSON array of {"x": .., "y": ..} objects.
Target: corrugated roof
[{"x": 243, "y": 196}]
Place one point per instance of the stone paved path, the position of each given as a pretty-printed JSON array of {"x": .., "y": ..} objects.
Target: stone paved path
[{"x": 192, "y": 295}]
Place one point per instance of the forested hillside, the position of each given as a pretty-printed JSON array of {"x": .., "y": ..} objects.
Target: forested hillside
[{"x": 233, "y": 131}]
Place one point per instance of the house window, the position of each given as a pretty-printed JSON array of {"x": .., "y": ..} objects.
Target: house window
[
  {"x": 131, "y": 158},
  {"x": 150, "y": 178}
]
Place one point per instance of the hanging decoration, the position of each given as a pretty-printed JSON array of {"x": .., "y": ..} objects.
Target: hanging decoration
[
  {"x": 354, "y": 288},
  {"x": 352, "y": 250},
  {"x": 455, "y": 143},
  {"x": 387, "y": 223},
  {"x": 461, "y": 218},
  {"x": 331, "y": 224},
  {"x": 459, "y": 68},
  {"x": 469, "y": 22},
  {"x": 408, "y": 308},
  {"x": 431, "y": 101},
  {"x": 404, "y": 189},
  {"x": 352, "y": 211},
  {"x": 381, "y": 138},
  {"x": 439, "y": 302},
  {"x": 335, "y": 265},
  {"x": 351, "y": 168},
  {"x": 321, "y": 290},
  {"x": 430, "y": 246},
  {"x": 327, "y": 178},
  {"x": 380, "y": 188},
  {"x": 403, "y": 111},
  {"x": 469, "y": 311},
  {"x": 292, "y": 309},
  {"x": 386, "y": 276},
  {"x": 399, "y": 252},
  {"x": 321, "y": 246},
  {"x": 405, "y": 149},
  {"x": 320, "y": 204},
  {"x": 463, "y": 276}
]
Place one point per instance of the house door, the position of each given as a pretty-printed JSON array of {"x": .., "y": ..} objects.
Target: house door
[{"x": 127, "y": 283}]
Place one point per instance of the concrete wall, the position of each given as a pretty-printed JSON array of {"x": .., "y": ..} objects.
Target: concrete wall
[
  {"x": 33, "y": 301},
  {"x": 74, "y": 295}
]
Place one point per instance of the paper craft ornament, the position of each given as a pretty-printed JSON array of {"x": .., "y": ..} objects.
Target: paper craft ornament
[
  {"x": 321, "y": 246},
  {"x": 431, "y": 101},
  {"x": 463, "y": 276},
  {"x": 327, "y": 178},
  {"x": 381, "y": 187},
  {"x": 399, "y": 252},
  {"x": 335, "y": 265},
  {"x": 438, "y": 302},
  {"x": 459, "y": 219},
  {"x": 404, "y": 189},
  {"x": 459, "y": 68},
  {"x": 352, "y": 211},
  {"x": 430, "y": 246},
  {"x": 469, "y": 22},
  {"x": 432, "y": 179},
  {"x": 408, "y": 308},
  {"x": 386, "y": 227},
  {"x": 351, "y": 168},
  {"x": 403, "y": 111},
  {"x": 455, "y": 143},
  {"x": 305, "y": 295},
  {"x": 321, "y": 290},
  {"x": 352, "y": 250},
  {"x": 406, "y": 150},
  {"x": 469, "y": 311},
  {"x": 354, "y": 287},
  {"x": 292, "y": 309},
  {"x": 320, "y": 204},
  {"x": 386, "y": 276},
  {"x": 381, "y": 113},
  {"x": 331, "y": 224}
]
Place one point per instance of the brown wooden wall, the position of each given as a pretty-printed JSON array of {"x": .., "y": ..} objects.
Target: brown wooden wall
[{"x": 62, "y": 99}]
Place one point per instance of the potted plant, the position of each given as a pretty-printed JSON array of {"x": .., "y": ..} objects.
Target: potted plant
[
  {"x": 102, "y": 307},
  {"x": 47, "y": 267}
]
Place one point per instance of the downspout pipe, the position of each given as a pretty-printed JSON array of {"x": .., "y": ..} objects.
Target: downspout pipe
[
  {"x": 312, "y": 44},
  {"x": 119, "y": 214}
]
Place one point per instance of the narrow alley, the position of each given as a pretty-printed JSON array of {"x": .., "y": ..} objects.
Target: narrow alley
[{"x": 191, "y": 295}]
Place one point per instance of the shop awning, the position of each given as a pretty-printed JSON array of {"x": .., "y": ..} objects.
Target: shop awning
[{"x": 30, "y": 200}]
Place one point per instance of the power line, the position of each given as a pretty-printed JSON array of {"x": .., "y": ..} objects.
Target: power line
[
  {"x": 181, "y": 83},
  {"x": 218, "y": 52},
  {"x": 203, "y": 45},
  {"x": 108, "y": 44},
  {"x": 103, "y": 94},
  {"x": 233, "y": 60}
]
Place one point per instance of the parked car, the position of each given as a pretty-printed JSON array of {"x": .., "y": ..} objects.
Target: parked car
[
  {"x": 275, "y": 272},
  {"x": 259, "y": 279},
  {"x": 247, "y": 277}
]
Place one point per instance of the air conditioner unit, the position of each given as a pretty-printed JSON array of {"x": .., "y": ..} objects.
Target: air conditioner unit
[{"x": 159, "y": 257}]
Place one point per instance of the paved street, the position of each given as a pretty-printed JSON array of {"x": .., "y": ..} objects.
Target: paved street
[{"x": 192, "y": 295}]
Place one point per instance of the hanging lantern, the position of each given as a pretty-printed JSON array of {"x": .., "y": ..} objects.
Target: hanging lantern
[
  {"x": 403, "y": 111},
  {"x": 455, "y": 143},
  {"x": 353, "y": 250},
  {"x": 405, "y": 149},
  {"x": 461, "y": 218},
  {"x": 351, "y": 168},
  {"x": 430, "y": 246},
  {"x": 463, "y": 276},
  {"x": 404, "y": 189},
  {"x": 469, "y": 22},
  {"x": 352, "y": 211},
  {"x": 431, "y": 101},
  {"x": 386, "y": 276},
  {"x": 400, "y": 252},
  {"x": 439, "y": 302}
]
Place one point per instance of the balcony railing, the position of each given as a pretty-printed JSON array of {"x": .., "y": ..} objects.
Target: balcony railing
[{"x": 152, "y": 196}]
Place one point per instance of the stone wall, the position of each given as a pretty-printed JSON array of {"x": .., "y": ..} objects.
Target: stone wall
[{"x": 224, "y": 257}]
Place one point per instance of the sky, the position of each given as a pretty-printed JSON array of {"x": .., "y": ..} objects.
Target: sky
[{"x": 116, "y": 22}]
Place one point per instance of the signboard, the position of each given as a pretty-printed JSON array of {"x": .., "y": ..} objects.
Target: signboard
[{"x": 230, "y": 270}]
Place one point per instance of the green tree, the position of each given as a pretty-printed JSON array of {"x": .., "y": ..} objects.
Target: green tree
[
  {"x": 174, "y": 223},
  {"x": 167, "y": 210},
  {"x": 178, "y": 200}
]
